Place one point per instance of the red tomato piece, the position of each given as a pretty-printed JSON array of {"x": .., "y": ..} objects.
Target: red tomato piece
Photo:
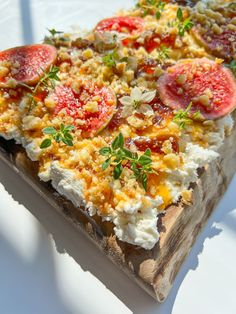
[
  {"x": 28, "y": 62},
  {"x": 121, "y": 24},
  {"x": 209, "y": 86},
  {"x": 89, "y": 117}
]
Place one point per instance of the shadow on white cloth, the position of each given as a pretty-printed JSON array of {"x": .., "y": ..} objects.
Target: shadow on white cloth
[
  {"x": 26, "y": 22},
  {"x": 42, "y": 295},
  {"x": 71, "y": 241}
]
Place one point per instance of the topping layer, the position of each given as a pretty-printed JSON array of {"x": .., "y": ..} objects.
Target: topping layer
[{"x": 121, "y": 118}]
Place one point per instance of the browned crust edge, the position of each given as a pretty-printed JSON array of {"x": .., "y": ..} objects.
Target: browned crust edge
[{"x": 153, "y": 270}]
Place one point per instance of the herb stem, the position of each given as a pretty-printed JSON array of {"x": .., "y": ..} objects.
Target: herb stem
[{"x": 119, "y": 157}]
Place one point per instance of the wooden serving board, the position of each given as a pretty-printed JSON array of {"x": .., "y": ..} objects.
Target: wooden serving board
[{"x": 153, "y": 270}]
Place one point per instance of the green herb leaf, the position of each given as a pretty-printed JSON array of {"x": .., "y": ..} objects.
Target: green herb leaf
[
  {"x": 68, "y": 142},
  {"x": 124, "y": 59},
  {"x": 182, "y": 117},
  {"x": 57, "y": 137},
  {"x": 145, "y": 13},
  {"x": 144, "y": 180},
  {"x": 53, "y": 32},
  {"x": 148, "y": 152},
  {"x": 63, "y": 135},
  {"x": 105, "y": 151},
  {"x": 197, "y": 115},
  {"x": 62, "y": 127},
  {"x": 51, "y": 40},
  {"x": 151, "y": 2},
  {"x": 52, "y": 77},
  {"x": 120, "y": 157},
  {"x": 111, "y": 59},
  {"x": 47, "y": 81},
  {"x": 135, "y": 170},
  {"x": 160, "y": 8},
  {"x": 68, "y": 136},
  {"x": 158, "y": 15},
  {"x": 145, "y": 160},
  {"x": 185, "y": 26},
  {"x": 127, "y": 153},
  {"x": 69, "y": 128},
  {"x": 46, "y": 143},
  {"x": 179, "y": 14},
  {"x": 163, "y": 53},
  {"x": 117, "y": 171},
  {"x": 153, "y": 7},
  {"x": 118, "y": 142},
  {"x": 49, "y": 130},
  {"x": 106, "y": 164}
]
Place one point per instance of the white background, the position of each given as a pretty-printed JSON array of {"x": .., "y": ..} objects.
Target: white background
[{"x": 48, "y": 267}]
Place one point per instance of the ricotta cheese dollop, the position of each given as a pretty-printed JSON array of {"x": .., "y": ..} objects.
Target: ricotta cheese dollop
[{"x": 138, "y": 224}]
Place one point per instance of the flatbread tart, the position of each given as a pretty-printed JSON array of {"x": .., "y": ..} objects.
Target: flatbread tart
[{"x": 129, "y": 129}]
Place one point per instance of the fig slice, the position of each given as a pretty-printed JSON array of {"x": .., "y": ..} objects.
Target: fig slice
[
  {"x": 27, "y": 64},
  {"x": 91, "y": 108},
  {"x": 208, "y": 85},
  {"x": 121, "y": 24},
  {"x": 219, "y": 45}
]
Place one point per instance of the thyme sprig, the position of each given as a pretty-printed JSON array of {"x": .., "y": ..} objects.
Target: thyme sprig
[
  {"x": 119, "y": 157},
  {"x": 47, "y": 80},
  {"x": 51, "y": 40},
  {"x": 153, "y": 7},
  {"x": 111, "y": 59},
  {"x": 163, "y": 53},
  {"x": 62, "y": 135},
  {"x": 183, "y": 24},
  {"x": 183, "y": 117}
]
